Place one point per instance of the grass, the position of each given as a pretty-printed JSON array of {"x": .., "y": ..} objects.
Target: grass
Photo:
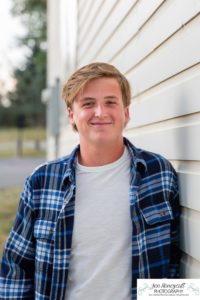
[
  {"x": 9, "y": 200},
  {"x": 28, "y": 134},
  {"x": 25, "y": 153},
  {"x": 9, "y": 137}
]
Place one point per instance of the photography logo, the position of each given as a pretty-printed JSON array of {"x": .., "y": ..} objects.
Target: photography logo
[{"x": 168, "y": 289}]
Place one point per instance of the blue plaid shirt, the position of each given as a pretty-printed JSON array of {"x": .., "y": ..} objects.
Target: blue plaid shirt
[{"x": 35, "y": 262}]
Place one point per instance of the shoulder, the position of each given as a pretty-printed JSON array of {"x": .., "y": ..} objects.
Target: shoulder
[
  {"x": 50, "y": 173},
  {"x": 155, "y": 162},
  {"x": 160, "y": 174},
  {"x": 151, "y": 162},
  {"x": 53, "y": 164}
]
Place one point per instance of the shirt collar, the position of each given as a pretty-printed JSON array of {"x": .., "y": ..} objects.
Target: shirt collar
[
  {"x": 71, "y": 166},
  {"x": 137, "y": 161}
]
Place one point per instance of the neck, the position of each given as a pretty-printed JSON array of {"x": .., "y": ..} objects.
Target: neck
[{"x": 99, "y": 155}]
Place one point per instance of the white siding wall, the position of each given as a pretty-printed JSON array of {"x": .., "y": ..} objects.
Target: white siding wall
[{"x": 156, "y": 44}]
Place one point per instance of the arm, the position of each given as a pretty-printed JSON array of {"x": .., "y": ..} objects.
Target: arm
[{"x": 17, "y": 266}]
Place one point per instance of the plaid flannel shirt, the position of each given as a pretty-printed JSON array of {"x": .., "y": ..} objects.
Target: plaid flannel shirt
[{"x": 35, "y": 262}]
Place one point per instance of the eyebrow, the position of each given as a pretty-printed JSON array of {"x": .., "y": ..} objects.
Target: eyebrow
[
  {"x": 111, "y": 97},
  {"x": 86, "y": 99},
  {"x": 93, "y": 99}
]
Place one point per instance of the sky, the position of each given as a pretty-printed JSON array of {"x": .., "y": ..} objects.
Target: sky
[{"x": 11, "y": 56}]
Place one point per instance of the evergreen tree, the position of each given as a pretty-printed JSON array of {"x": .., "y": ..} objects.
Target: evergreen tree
[{"x": 31, "y": 78}]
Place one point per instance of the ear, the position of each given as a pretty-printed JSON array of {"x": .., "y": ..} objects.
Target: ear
[
  {"x": 71, "y": 116},
  {"x": 127, "y": 115}
]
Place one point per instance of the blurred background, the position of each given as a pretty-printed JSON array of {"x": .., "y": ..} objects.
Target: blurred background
[{"x": 23, "y": 48}]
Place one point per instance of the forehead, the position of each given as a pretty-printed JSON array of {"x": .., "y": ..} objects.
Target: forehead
[{"x": 101, "y": 86}]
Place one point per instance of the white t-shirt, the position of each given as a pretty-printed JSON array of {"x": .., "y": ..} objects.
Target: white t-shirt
[{"x": 100, "y": 263}]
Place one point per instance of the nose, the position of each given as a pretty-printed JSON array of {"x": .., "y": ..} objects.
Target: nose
[{"x": 99, "y": 110}]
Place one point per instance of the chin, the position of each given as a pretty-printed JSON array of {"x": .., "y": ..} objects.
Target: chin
[{"x": 104, "y": 140}]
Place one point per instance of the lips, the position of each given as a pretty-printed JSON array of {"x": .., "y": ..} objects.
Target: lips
[{"x": 102, "y": 123}]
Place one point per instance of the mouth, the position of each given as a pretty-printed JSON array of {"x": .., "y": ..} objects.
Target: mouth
[{"x": 100, "y": 123}]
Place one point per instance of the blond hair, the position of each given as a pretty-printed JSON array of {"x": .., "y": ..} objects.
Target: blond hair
[{"x": 82, "y": 76}]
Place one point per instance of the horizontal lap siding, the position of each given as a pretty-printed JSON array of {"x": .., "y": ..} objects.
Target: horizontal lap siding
[
  {"x": 174, "y": 140},
  {"x": 189, "y": 181},
  {"x": 129, "y": 27},
  {"x": 83, "y": 12},
  {"x": 93, "y": 33},
  {"x": 158, "y": 27},
  {"x": 107, "y": 21},
  {"x": 178, "y": 53},
  {"x": 190, "y": 241},
  {"x": 156, "y": 44},
  {"x": 193, "y": 271},
  {"x": 89, "y": 22},
  {"x": 176, "y": 97}
]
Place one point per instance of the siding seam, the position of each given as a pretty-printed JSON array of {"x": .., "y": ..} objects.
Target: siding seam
[
  {"x": 98, "y": 29},
  {"x": 166, "y": 79},
  {"x": 138, "y": 31},
  {"x": 119, "y": 24},
  {"x": 182, "y": 27}
]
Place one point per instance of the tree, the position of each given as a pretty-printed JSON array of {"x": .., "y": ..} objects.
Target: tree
[
  {"x": 33, "y": 16},
  {"x": 30, "y": 78}
]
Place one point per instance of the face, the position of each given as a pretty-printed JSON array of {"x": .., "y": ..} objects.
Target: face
[{"x": 99, "y": 113}]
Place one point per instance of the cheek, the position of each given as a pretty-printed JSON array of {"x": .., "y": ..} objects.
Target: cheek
[
  {"x": 81, "y": 117},
  {"x": 85, "y": 114}
]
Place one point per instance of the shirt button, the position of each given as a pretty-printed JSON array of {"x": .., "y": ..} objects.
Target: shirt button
[{"x": 162, "y": 213}]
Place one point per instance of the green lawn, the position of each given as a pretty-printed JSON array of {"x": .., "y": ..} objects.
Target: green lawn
[
  {"x": 9, "y": 137},
  {"x": 9, "y": 200},
  {"x": 28, "y": 134},
  {"x": 25, "y": 153}
]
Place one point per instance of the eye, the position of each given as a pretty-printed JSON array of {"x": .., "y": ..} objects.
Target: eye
[
  {"x": 111, "y": 102},
  {"x": 88, "y": 104}
]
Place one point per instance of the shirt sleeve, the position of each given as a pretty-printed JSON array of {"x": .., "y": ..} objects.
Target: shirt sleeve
[
  {"x": 175, "y": 231},
  {"x": 17, "y": 266}
]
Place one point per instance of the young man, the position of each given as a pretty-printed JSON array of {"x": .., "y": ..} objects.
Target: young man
[{"x": 91, "y": 223}]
